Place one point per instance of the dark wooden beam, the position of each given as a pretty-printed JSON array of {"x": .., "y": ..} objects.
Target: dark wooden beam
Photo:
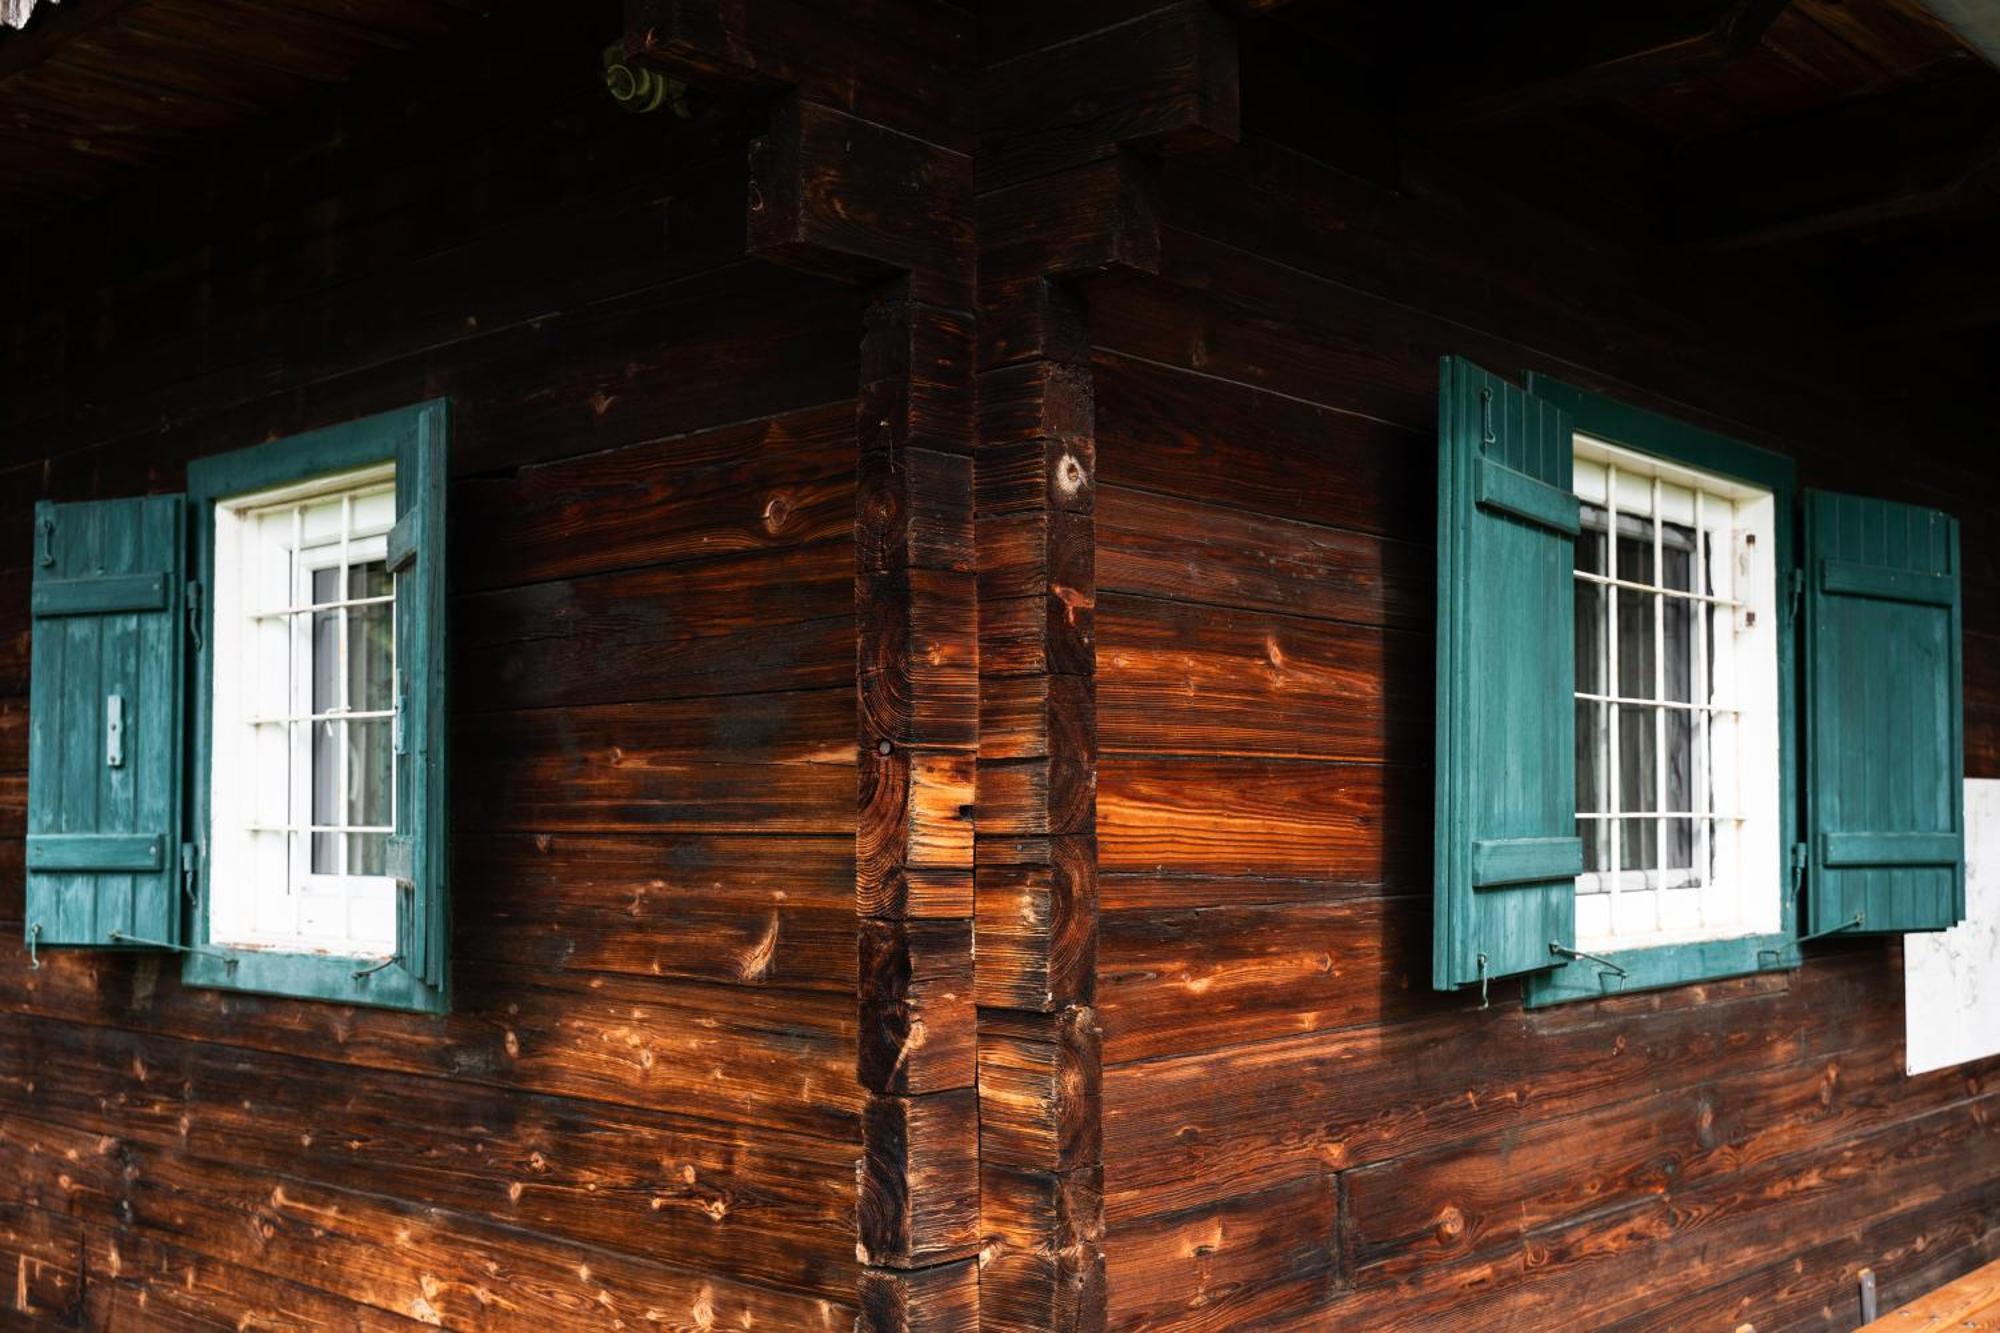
[
  {"x": 55, "y": 28},
  {"x": 1924, "y": 155},
  {"x": 1572, "y": 60}
]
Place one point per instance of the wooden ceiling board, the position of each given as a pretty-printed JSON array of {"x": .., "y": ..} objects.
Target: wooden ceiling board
[{"x": 93, "y": 90}]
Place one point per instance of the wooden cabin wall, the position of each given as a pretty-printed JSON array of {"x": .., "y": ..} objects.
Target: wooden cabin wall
[
  {"x": 644, "y": 1105},
  {"x": 1297, "y": 1131}
]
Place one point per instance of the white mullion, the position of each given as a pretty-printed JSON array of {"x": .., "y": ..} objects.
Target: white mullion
[
  {"x": 1659, "y": 695},
  {"x": 340, "y": 589},
  {"x": 298, "y": 688},
  {"x": 1698, "y": 691},
  {"x": 1612, "y": 679}
]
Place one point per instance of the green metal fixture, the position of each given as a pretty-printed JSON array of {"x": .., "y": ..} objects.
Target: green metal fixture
[{"x": 639, "y": 89}]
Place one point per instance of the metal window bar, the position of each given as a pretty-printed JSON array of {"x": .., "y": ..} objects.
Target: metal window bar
[
  {"x": 1632, "y": 585},
  {"x": 1660, "y": 814},
  {"x": 323, "y": 828},
  {"x": 278, "y": 613},
  {"x": 1664, "y": 703}
]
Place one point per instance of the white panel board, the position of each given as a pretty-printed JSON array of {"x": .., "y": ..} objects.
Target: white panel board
[{"x": 1951, "y": 979}]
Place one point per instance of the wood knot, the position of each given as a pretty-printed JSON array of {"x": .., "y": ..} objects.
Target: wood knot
[
  {"x": 777, "y": 512},
  {"x": 1070, "y": 476}
]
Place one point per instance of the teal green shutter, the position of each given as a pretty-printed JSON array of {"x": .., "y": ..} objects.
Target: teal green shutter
[
  {"x": 419, "y": 851},
  {"x": 1885, "y": 791},
  {"x": 104, "y": 723},
  {"x": 1506, "y": 844}
]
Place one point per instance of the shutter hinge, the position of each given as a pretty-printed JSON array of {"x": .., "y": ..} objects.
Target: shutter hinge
[
  {"x": 194, "y": 612},
  {"x": 1798, "y": 594},
  {"x": 190, "y": 853},
  {"x": 399, "y": 741},
  {"x": 1799, "y": 856}
]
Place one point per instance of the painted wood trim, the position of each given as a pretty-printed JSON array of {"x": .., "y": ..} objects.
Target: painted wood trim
[
  {"x": 1892, "y": 849},
  {"x": 419, "y": 982},
  {"x": 136, "y": 852},
  {"x": 1502, "y": 861},
  {"x": 1852, "y": 579},
  {"x": 105, "y": 594},
  {"x": 1667, "y": 437},
  {"x": 1500, "y": 487},
  {"x": 1660, "y": 966},
  {"x": 1652, "y": 432}
]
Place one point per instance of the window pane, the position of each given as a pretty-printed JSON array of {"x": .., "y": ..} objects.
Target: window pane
[
  {"x": 1636, "y": 759},
  {"x": 368, "y": 772},
  {"x": 1635, "y": 643},
  {"x": 1676, "y": 556},
  {"x": 1678, "y": 622},
  {"x": 1590, "y": 637},
  {"x": 325, "y": 660},
  {"x": 370, "y": 630},
  {"x": 1635, "y": 549},
  {"x": 325, "y": 794}
]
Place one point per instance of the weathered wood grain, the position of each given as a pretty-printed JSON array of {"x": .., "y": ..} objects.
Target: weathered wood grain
[
  {"x": 140, "y": 1282},
  {"x": 44, "y": 1251},
  {"x": 783, "y": 481},
  {"x": 1037, "y": 1077},
  {"x": 1211, "y": 681},
  {"x": 1244, "y": 1261},
  {"x": 1267, "y": 817},
  {"x": 739, "y": 1054},
  {"x": 731, "y": 625},
  {"x": 1042, "y": 1249},
  {"x": 1179, "y": 982},
  {"x": 626, "y": 1179},
  {"x": 756, "y": 911},
  {"x": 434, "y": 1265},
  {"x": 1200, "y": 552}
]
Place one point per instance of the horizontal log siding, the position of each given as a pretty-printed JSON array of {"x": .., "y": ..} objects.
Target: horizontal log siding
[
  {"x": 644, "y": 1105},
  {"x": 1297, "y": 1130}
]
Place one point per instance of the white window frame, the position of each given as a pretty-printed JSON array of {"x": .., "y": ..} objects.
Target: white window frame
[
  {"x": 261, "y": 756},
  {"x": 1735, "y": 770}
]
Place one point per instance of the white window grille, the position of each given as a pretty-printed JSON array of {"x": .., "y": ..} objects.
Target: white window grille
[
  {"x": 1676, "y": 703},
  {"x": 303, "y": 778}
]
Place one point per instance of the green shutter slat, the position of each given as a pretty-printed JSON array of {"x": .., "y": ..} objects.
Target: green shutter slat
[
  {"x": 1507, "y": 851},
  {"x": 100, "y": 596},
  {"x": 1884, "y": 716},
  {"x": 1506, "y": 861},
  {"x": 1892, "y": 849},
  {"x": 1502, "y": 488},
  {"x": 96, "y": 851},
  {"x": 1891, "y": 585},
  {"x": 104, "y": 819}
]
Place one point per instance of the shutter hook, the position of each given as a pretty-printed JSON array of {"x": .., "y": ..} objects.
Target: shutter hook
[
  {"x": 1484, "y": 1001},
  {"x": 1486, "y": 435},
  {"x": 1561, "y": 951},
  {"x": 46, "y": 533},
  {"x": 367, "y": 972},
  {"x": 34, "y": 934}
]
